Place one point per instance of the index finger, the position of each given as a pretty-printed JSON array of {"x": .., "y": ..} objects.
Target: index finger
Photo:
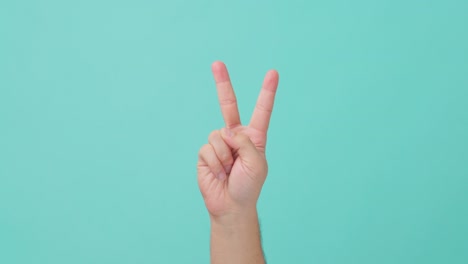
[{"x": 226, "y": 96}]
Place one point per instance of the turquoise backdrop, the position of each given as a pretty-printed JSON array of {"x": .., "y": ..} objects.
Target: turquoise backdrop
[{"x": 104, "y": 105}]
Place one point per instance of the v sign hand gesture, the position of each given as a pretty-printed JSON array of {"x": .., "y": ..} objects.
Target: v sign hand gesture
[{"x": 232, "y": 167}]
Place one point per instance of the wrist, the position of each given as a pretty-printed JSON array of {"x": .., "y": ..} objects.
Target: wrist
[{"x": 236, "y": 219}]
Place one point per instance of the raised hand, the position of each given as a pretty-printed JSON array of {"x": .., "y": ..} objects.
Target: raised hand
[{"x": 232, "y": 167}]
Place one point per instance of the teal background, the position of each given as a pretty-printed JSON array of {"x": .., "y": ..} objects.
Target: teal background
[{"x": 104, "y": 105}]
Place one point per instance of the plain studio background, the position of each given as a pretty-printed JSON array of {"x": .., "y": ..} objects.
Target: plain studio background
[{"x": 104, "y": 105}]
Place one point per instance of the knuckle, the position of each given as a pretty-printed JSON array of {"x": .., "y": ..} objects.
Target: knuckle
[
  {"x": 227, "y": 101},
  {"x": 204, "y": 149},
  {"x": 263, "y": 108},
  {"x": 213, "y": 135}
]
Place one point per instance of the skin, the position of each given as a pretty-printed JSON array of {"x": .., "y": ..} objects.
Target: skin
[{"x": 232, "y": 168}]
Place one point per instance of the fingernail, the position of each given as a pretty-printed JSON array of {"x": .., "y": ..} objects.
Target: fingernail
[
  {"x": 227, "y": 132},
  {"x": 222, "y": 176},
  {"x": 228, "y": 168}
]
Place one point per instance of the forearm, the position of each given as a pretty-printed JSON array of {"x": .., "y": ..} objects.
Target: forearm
[{"x": 236, "y": 240}]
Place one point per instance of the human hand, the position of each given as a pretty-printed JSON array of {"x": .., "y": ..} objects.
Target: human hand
[{"x": 232, "y": 167}]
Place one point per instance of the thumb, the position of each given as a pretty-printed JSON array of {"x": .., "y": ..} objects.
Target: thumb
[{"x": 240, "y": 143}]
